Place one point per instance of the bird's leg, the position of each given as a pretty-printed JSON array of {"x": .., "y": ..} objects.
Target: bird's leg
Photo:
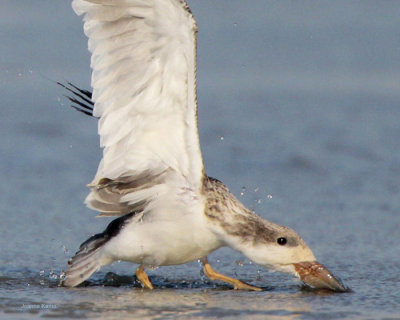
[
  {"x": 214, "y": 275},
  {"x": 143, "y": 278}
]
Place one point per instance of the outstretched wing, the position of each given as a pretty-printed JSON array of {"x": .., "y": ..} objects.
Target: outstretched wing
[{"x": 144, "y": 94}]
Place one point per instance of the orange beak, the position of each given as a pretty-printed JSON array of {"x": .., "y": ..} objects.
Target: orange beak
[{"x": 317, "y": 276}]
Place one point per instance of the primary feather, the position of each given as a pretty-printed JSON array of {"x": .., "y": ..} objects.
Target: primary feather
[{"x": 144, "y": 94}]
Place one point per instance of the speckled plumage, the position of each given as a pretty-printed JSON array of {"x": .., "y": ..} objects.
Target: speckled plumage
[{"x": 225, "y": 209}]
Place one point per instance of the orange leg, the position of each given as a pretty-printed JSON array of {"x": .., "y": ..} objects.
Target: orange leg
[
  {"x": 143, "y": 278},
  {"x": 214, "y": 275}
]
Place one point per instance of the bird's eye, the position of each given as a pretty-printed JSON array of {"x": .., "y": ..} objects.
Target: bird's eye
[{"x": 281, "y": 241}]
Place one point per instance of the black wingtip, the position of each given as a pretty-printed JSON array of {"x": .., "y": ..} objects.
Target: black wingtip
[
  {"x": 81, "y": 99},
  {"x": 87, "y": 93}
]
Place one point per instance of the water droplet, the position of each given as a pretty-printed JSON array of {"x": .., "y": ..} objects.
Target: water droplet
[
  {"x": 222, "y": 138},
  {"x": 269, "y": 196},
  {"x": 152, "y": 268},
  {"x": 239, "y": 263},
  {"x": 53, "y": 275}
]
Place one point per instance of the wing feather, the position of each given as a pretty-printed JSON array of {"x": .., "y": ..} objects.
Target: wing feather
[{"x": 144, "y": 94}]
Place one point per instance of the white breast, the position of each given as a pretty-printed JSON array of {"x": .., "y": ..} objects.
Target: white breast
[{"x": 164, "y": 242}]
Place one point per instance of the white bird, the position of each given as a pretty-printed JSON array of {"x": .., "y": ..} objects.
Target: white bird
[{"x": 151, "y": 175}]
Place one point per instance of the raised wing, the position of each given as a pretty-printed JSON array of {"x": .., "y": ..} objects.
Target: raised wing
[{"x": 144, "y": 94}]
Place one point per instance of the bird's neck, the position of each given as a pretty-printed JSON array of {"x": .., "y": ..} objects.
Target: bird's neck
[{"x": 236, "y": 225}]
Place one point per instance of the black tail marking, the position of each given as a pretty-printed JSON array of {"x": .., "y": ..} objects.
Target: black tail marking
[
  {"x": 81, "y": 99},
  {"x": 90, "y": 256},
  {"x": 112, "y": 230}
]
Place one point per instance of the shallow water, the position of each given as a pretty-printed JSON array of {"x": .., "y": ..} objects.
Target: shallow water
[{"x": 299, "y": 115}]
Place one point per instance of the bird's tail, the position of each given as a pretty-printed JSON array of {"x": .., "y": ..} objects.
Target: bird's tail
[{"x": 88, "y": 259}]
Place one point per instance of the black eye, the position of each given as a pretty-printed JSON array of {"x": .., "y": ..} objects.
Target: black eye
[{"x": 281, "y": 241}]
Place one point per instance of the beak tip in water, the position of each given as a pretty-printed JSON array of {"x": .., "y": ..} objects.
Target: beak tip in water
[{"x": 315, "y": 275}]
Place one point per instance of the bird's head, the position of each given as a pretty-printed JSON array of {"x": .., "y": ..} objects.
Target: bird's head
[
  {"x": 281, "y": 248},
  {"x": 268, "y": 244}
]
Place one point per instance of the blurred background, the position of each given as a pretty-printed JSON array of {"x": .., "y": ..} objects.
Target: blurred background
[{"x": 298, "y": 114}]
